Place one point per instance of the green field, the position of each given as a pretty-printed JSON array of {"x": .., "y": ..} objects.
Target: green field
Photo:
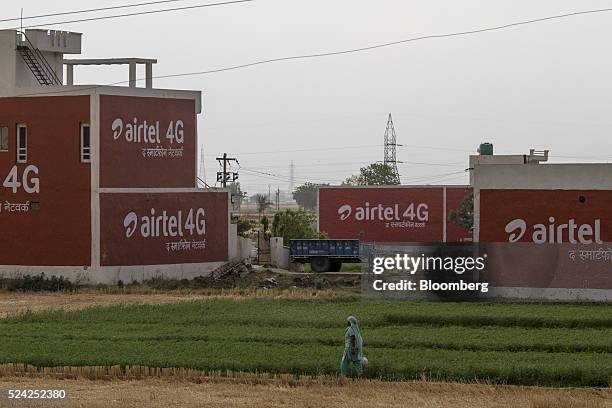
[{"x": 531, "y": 344}]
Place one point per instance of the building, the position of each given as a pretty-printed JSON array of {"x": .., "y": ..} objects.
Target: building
[
  {"x": 547, "y": 228},
  {"x": 99, "y": 182},
  {"x": 392, "y": 214}
]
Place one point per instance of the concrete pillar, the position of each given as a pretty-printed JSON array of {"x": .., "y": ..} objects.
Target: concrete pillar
[
  {"x": 149, "y": 75},
  {"x": 132, "y": 74},
  {"x": 69, "y": 74}
]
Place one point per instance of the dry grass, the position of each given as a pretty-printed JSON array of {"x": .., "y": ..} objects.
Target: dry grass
[
  {"x": 258, "y": 391},
  {"x": 12, "y": 303}
]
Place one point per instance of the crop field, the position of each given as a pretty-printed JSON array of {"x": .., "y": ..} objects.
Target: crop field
[{"x": 525, "y": 344}]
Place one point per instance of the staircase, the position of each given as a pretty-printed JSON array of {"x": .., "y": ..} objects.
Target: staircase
[{"x": 37, "y": 63}]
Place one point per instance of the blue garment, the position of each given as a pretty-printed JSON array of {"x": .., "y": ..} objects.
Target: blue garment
[{"x": 352, "y": 331}]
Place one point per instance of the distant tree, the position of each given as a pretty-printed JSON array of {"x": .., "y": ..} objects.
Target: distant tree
[
  {"x": 243, "y": 226},
  {"x": 265, "y": 223},
  {"x": 376, "y": 174},
  {"x": 262, "y": 203},
  {"x": 237, "y": 195},
  {"x": 464, "y": 216},
  {"x": 306, "y": 195},
  {"x": 354, "y": 180},
  {"x": 291, "y": 224}
]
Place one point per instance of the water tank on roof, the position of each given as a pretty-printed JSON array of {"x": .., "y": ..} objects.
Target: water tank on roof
[{"x": 486, "y": 149}]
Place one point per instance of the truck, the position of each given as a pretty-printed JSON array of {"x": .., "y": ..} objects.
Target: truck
[{"x": 324, "y": 255}]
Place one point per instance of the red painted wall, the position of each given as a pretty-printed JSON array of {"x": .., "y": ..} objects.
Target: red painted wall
[
  {"x": 151, "y": 160},
  {"x": 129, "y": 237},
  {"x": 499, "y": 207},
  {"x": 530, "y": 262},
  {"x": 59, "y": 232},
  {"x": 400, "y": 214}
]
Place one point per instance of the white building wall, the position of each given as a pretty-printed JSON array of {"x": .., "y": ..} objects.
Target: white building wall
[
  {"x": 7, "y": 61},
  {"x": 14, "y": 73}
]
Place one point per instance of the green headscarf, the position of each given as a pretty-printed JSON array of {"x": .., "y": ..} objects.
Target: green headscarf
[{"x": 353, "y": 330}]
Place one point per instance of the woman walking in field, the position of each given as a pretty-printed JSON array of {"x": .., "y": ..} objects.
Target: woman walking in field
[{"x": 353, "y": 348}]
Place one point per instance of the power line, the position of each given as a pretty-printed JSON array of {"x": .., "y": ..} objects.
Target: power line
[
  {"x": 315, "y": 149},
  {"x": 439, "y": 177},
  {"x": 63, "y": 13},
  {"x": 342, "y": 52},
  {"x": 450, "y": 149},
  {"x": 140, "y": 13},
  {"x": 430, "y": 178},
  {"x": 272, "y": 176},
  {"x": 445, "y": 180},
  {"x": 282, "y": 178},
  {"x": 389, "y": 44},
  {"x": 361, "y": 163}
]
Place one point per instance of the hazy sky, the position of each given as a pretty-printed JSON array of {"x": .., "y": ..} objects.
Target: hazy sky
[{"x": 543, "y": 86}]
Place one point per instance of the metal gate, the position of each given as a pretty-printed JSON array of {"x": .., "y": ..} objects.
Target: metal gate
[{"x": 263, "y": 249}]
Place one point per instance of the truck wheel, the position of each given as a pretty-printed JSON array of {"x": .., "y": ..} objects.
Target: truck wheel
[
  {"x": 320, "y": 264},
  {"x": 336, "y": 265}
]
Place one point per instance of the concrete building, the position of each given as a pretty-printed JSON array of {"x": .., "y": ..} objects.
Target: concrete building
[
  {"x": 99, "y": 182},
  {"x": 546, "y": 228}
]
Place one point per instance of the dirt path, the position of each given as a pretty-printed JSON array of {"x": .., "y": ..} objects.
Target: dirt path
[{"x": 169, "y": 393}]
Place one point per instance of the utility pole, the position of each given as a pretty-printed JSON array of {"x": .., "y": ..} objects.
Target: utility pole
[
  {"x": 278, "y": 198},
  {"x": 391, "y": 148},
  {"x": 224, "y": 176}
]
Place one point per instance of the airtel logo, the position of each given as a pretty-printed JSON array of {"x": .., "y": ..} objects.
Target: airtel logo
[
  {"x": 163, "y": 224},
  {"x": 117, "y": 127},
  {"x": 344, "y": 212},
  {"x": 554, "y": 233},
  {"x": 379, "y": 212},
  {"x": 129, "y": 222}
]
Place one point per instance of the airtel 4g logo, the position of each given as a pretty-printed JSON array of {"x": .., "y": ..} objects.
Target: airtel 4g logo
[
  {"x": 141, "y": 131},
  {"x": 553, "y": 233},
  {"x": 165, "y": 224},
  {"x": 368, "y": 212}
]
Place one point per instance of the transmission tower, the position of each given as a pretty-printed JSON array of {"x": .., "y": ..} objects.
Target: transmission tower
[
  {"x": 391, "y": 148},
  {"x": 291, "y": 178}
]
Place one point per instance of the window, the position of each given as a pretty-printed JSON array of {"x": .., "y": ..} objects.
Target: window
[
  {"x": 22, "y": 144},
  {"x": 85, "y": 144},
  {"x": 3, "y": 139}
]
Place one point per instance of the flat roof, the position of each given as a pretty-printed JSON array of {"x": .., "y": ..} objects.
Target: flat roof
[
  {"x": 72, "y": 90},
  {"x": 109, "y": 61}
]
